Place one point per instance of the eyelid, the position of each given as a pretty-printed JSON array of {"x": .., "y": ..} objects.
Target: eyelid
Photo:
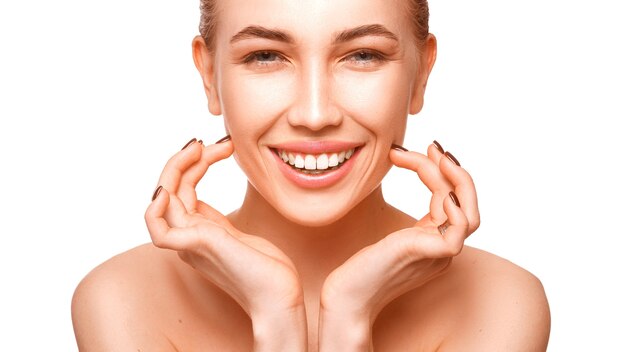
[
  {"x": 378, "y": 56},
  {"x": 249, "y": 58}
]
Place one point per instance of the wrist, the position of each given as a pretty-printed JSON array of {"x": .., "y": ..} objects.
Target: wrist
[
  {"x": 344, "y": 331},
  {"x": 280, "y": 330}
]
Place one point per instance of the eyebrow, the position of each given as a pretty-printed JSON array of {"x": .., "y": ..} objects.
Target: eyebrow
[{"x": 341, "y": 37}]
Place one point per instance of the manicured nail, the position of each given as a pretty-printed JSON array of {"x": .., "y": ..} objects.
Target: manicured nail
[
  {"x": 156, "y": 193},
  {"x": 399, "y": 148},
  {"x": 451, "y": 157},
  {"x": 439, "y": 147},
  {"x": 200, "y": 141},
  {"x": 193, "y": 140},
  {"x": 223, "y": 139},
  {"x": 455, "y": 199}
]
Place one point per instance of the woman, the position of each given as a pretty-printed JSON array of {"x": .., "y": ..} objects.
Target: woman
[{"x": 315, "y": 97}]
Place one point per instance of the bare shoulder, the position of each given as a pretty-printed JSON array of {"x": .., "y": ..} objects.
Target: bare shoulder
[
  {"x": 147, "y": 299},
  {"x": 504, "y": 307},
  {"x": 482, "y": 303},
  {"x": 110, "y": 307}
]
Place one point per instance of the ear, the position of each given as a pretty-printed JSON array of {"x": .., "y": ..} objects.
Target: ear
[
  {"x": 205, "y": 63},
  {"x": 427, "y": 57}
]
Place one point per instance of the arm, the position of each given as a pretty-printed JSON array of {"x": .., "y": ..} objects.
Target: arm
[
  {"x": 254, "y": 272},
  {"x": 356, "y": 292}
]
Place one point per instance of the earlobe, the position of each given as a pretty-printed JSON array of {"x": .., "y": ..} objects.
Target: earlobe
[
  {"x": 428, "y": 56},
  {"x": 205, "y": 63}
]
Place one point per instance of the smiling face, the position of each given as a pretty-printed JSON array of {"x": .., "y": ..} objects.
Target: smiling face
[{"x": 313, "y": 94}]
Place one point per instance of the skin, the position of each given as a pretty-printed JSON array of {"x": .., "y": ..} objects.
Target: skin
[{"x": 296, "y": 269}]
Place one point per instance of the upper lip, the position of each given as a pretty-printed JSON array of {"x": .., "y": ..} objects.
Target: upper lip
[{"x": 315, "y": 147}]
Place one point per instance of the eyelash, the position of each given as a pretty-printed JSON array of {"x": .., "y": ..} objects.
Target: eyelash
[{"x": 375, "y": 57}]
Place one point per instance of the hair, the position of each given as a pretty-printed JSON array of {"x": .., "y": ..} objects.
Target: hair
[{"x": 418, "y": 10}]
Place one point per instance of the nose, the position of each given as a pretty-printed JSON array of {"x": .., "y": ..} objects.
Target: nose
[{"x": 314, "y": 107}]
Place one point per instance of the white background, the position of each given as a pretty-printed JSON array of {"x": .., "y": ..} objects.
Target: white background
[{"x": 528, "y": 95}]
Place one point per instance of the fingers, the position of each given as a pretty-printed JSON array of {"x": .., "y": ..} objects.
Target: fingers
[
  {"x": 181, "y": 161},
  {"x": 190, "y": 178},
  {"x": 178, "y": 237},
  {"x": 419, "y": 243},
  {"x": 426, "y": 169},
  {"x": 457, "y": 228},
  {"x": 435, "y": 152},
  {"x": 449, "y": 175},
  {"x": 184, "y": 170},
  {"x": 155, "y": 220},
  {"x": 463, "y": 186}
]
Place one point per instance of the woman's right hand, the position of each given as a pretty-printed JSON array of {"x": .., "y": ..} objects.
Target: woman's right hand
[{"x": 253, "y": 271}]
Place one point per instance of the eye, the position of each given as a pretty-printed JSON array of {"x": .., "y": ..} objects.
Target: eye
[
  {"x": 263, "y": 58},
  {"x": 365, "y": 58}
]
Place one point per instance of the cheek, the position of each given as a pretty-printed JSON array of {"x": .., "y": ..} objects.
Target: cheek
[
  {"x": 377, "y": 100},
  {"x": 252, "y": 103}
]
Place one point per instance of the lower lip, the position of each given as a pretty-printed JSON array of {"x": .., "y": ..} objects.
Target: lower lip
[{"x": 322, "y": 180}]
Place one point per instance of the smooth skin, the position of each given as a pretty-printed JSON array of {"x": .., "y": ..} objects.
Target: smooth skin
[{"x": 283, "y": 273}]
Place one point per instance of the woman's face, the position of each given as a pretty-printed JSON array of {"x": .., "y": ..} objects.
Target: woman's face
[{"x": 304, "y": 84}]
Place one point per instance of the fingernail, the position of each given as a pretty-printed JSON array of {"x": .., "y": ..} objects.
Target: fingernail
[
  {"x": 439, "y": 147},
  {"x": 223, "y": 139},
  {"x": 156, "y": 193},
  {"x": 200, "y": 141},
  {"x": 193, "y": 140},
  {"x": 399, "y": 148},
  {"x": 455, "y": 199},
  {"x": 451, "y": 157}
]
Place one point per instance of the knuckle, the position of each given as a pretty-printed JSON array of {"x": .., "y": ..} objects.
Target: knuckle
[
  {"x": 454, "y": 248},
  {"x": 158, "y": 241}
]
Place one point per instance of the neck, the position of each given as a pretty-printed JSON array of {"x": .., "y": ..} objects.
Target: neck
[{"x": 317, "y": 251}]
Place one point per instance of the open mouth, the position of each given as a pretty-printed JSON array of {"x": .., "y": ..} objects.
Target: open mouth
[{"x": 315, "y": 164}]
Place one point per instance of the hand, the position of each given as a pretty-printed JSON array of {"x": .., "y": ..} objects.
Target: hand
[
  {"x": 356, "y": 292},
  {"x": 254, "y": 272}
]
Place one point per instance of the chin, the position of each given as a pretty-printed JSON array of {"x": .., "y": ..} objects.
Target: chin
[{"x": 314, "y": 216}]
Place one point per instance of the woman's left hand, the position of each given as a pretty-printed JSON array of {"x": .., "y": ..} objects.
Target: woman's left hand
[{"x": 354, "y": 294}]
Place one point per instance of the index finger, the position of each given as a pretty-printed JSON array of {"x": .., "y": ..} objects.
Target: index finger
[
  {"x": 190, "y": 177},
  {"x": 425, "y": 168}
]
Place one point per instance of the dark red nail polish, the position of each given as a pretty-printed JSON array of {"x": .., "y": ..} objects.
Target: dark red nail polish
[
  {"x": 200, "y": 141},
  {"x": 223, "y": 139},
  {"x": 439, "y": 147},
  {"x": 451, "y": 157},
  {"x": 455, "y": 199},
  {"x": 156, "y": 193},
  {"x": 193, "y": 140},
  {"x": 399, "y": 147}
]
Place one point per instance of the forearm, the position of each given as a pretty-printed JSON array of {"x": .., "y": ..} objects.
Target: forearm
[{"x": 285, "y": 330}]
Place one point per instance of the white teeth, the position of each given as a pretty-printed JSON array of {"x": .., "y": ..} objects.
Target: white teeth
[
  {"x": 341, "y": 157},
  {"x": 322, "y": 162},
  {"x": 333, "y": 161},
  {"x": 312, "y": 162},
  {"x": 349, "y": 153},
  {"x": 309, "y": 162},
  {"x": 299, "y": 161}
]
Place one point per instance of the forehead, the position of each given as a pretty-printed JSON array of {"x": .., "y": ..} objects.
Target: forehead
[{"x": 311, "y": 20}]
